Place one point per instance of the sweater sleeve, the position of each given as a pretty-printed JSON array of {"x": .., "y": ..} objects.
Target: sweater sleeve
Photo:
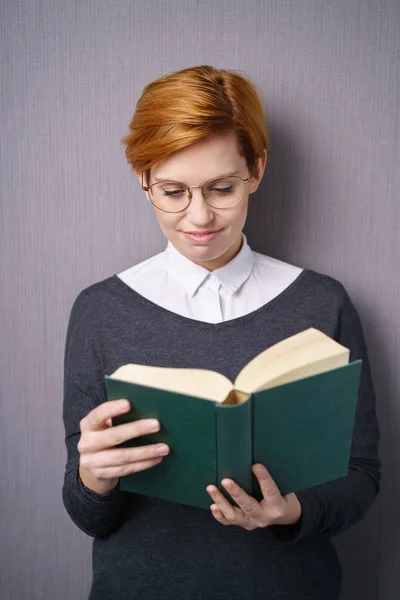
[
  {"x": 335, "y": 506},
  {"x": 95, "y": 514}
]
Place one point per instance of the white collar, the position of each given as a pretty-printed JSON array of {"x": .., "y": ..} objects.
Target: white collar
[{"x": 190, "y": 275}]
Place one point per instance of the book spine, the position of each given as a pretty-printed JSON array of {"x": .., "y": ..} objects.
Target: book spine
[{"x": 234, "y": 443}]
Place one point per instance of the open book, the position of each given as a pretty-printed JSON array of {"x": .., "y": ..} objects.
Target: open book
[
  {"x": 291, "y": 408},
  {"x": 302, "y": 355}
]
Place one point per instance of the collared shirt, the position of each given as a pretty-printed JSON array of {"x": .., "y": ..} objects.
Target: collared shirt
[{"x": 176, "y": 283}]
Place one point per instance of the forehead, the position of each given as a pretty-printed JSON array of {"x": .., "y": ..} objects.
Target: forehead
[{"x": 206, "y": 159}]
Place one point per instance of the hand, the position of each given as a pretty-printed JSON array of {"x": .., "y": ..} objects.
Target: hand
[
  {"x": 274, "y": 509},
  {"x": 100, "y": 464}
]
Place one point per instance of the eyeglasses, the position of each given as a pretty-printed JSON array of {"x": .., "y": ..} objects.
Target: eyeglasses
[{"x": 173, "y": 196}]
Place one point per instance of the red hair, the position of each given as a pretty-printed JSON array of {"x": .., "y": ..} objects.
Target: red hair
[{"x": 186, "y": 106}]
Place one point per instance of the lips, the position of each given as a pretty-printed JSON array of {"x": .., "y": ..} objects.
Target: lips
[
  {"x": 201, "y": 237},
  {"x": 202, "y": 232}
]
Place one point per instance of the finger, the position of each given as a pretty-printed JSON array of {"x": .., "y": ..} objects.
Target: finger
[
  {"x": 93, "y": 441},
  {"x": 121, "y": 471},
  {"x": 216, "y": 513},
  {"x": 96, "y": 419},
  {"x": 122, "y": 456},
  {"x": 245, "y": 502},
  {"x": 268, "y": 486},
  {"x": 226, "y": 508}
]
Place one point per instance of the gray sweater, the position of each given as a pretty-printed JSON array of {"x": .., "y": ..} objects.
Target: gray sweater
[{"x": 151, "y": 549}]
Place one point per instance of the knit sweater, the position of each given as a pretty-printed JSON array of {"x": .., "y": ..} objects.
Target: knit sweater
[{"x": 151, "y": 549}]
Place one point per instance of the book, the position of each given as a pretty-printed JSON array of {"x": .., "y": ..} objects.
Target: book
[{"x": 291, "y": 408}]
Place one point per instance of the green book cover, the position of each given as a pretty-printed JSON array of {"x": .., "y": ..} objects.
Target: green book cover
[{"x": 301, "y": 431}]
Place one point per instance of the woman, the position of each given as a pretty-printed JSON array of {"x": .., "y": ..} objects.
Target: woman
[{"x": 198, "y": 145}]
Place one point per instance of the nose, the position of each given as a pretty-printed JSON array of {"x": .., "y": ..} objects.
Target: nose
[{"x": 199, "y": 213}]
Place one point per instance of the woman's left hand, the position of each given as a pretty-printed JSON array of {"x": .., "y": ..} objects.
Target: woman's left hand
[{"x": 274, "y": 509}]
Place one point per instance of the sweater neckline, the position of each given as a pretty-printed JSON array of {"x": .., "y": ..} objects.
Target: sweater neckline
[{"x": 269, "y": 306}]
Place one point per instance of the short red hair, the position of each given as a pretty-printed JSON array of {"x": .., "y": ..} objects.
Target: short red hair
[{"x": 186, "y": 106}]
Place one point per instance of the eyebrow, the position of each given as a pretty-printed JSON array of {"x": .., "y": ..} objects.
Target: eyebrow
[{"x": 161, "y": 179}]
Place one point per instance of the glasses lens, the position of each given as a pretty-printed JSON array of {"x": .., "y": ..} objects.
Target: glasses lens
[
  {"x": 222, "y": 193},
  {"x": 172, "y": 196},
  {"x": 169, "y": 196}
]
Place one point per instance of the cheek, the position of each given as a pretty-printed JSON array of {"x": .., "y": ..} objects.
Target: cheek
[
  {"x": 167, "y": 222},
  {"x": 239, "y": 218}
]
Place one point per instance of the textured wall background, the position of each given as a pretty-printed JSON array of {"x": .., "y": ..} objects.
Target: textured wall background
[{"x": 72, "y": 214}]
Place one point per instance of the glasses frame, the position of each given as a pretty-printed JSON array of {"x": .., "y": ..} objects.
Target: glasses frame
[{"x": 189, "y": 188}]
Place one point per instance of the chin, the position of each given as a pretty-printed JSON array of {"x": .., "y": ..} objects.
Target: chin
[
  {"x": 206, "y": 257},
  {"x": 201, "y": 255}
]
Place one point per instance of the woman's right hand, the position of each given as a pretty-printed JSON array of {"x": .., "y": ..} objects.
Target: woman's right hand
[{"x": 100, "y": 463}]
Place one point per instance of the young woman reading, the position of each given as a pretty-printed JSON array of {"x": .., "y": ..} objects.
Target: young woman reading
[{"x": 198, "y": 144}]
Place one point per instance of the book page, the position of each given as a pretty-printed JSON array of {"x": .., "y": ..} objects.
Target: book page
[
  {"x": 302, "y": 355},
  {"x": 199, "y": 383}
]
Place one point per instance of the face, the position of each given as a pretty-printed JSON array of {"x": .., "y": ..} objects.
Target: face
[{"x": 193, "y": 166}]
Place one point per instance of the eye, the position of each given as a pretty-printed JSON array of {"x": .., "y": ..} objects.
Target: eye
[
  {"x": 170, "y": 189},
  {"x": 222, "y": 190},
  {"x": 173, "y": 193}
]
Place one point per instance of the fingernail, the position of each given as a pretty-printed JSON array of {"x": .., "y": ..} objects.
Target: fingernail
[
  {"x": 124, "y": 404},
  {"x": 163, "y": 450},
  {"x": 153, "y": 425}
]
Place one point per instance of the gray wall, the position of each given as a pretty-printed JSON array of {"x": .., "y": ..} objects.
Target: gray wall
[{"x": 72, "y": 214}]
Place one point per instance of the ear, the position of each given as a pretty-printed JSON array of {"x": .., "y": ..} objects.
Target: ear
[
  {"x": 142, "y": 179},
  {"x": 261, "y": 164}
]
